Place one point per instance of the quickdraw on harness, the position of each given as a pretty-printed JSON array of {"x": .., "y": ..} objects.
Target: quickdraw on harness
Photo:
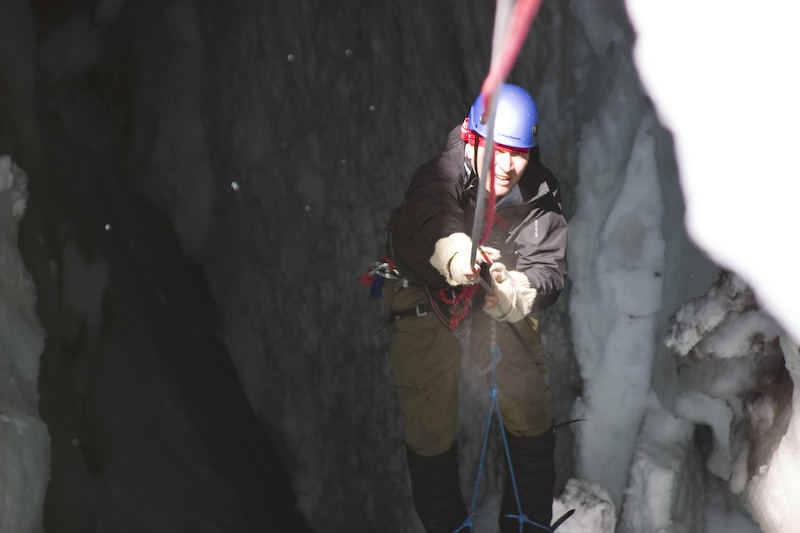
[{"x": 374, "y": 275}]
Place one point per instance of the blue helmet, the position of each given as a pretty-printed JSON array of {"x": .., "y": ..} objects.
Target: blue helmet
[{"x": 515, "y": 121}]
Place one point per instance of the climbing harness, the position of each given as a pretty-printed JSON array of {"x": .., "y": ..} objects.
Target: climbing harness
[{"x": 458, "y": 298}]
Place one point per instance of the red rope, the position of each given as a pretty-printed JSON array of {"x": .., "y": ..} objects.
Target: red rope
[
  {"x": 521, "y": 17},
  {"x": 465, "y": 296}
]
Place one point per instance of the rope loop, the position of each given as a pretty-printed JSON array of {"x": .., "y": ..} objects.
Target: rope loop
[
  {"x": 460, "y": 303},
  {"x": 495, "y": 405}
]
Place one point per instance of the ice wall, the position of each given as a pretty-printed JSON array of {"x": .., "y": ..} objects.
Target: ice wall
[
  {"x": 773, "y": 488},
  {"x": 24, "y": 441},
  {"x": 148, "y": 426},
  {"x": 736, "y": 392},
  {"x": 630, "y": 262},
  {"x": 734, "y": 136}
]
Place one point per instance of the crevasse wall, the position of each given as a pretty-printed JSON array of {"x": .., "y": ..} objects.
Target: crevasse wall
[{"x": 24, "y": 441}]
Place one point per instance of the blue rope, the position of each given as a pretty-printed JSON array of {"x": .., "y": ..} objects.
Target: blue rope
[{"x": 495, "y": 404}]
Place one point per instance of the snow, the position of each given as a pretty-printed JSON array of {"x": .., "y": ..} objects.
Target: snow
[
  {"x": 595, "y": 511},
  {"x": 273, "y": 142},
  {"x": 733, "y": 107},
  {"x": 664, "y": 477},
  {"x": 614, "y": 326},
  {"x": 773, "y": 490},
  {"x": 698, "y": 408}
]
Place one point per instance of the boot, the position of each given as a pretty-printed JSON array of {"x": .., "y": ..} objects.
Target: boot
[
  {"x": 535, "y": 476},
  {"x": 436, "y": 490}
]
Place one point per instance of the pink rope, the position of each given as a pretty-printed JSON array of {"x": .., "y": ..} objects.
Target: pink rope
[{"x": 521, "y": 17}]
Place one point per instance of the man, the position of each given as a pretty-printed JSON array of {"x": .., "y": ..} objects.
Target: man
[{"x": 437, "y": 299}]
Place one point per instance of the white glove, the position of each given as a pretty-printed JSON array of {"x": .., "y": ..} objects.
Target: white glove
[
  {"x": 514, "y": 292},
  {"x": 451, "y": 257}
]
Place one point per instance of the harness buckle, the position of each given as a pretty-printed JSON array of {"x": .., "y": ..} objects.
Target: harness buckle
[{"x": 417, "y": 308}]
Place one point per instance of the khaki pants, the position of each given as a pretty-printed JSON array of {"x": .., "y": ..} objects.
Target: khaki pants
[{"x": 425, "y": 361}]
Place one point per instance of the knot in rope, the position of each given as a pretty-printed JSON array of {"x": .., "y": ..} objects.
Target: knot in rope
[
  {"x": 523, "y": 519},
  {"x": 466, "y": 524}
]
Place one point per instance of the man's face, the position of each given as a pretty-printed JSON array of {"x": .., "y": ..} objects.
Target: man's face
[{"x": 508, "y": 168}]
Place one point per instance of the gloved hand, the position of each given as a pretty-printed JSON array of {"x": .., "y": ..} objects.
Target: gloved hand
[
  {"x": 451, "y": 257},
  {"x": 514, "y": 294}
]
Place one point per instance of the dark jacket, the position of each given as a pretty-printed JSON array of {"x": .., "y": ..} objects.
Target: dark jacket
[{"x": 532, "y": 236}]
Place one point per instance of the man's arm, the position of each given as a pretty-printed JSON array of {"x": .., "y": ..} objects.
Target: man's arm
[{"x": 542, "y": 248}]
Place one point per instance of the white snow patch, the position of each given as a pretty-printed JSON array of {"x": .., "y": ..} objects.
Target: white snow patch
[
  {"x": 594, "y": 510},
  {"x": 662, "y": 489}
]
